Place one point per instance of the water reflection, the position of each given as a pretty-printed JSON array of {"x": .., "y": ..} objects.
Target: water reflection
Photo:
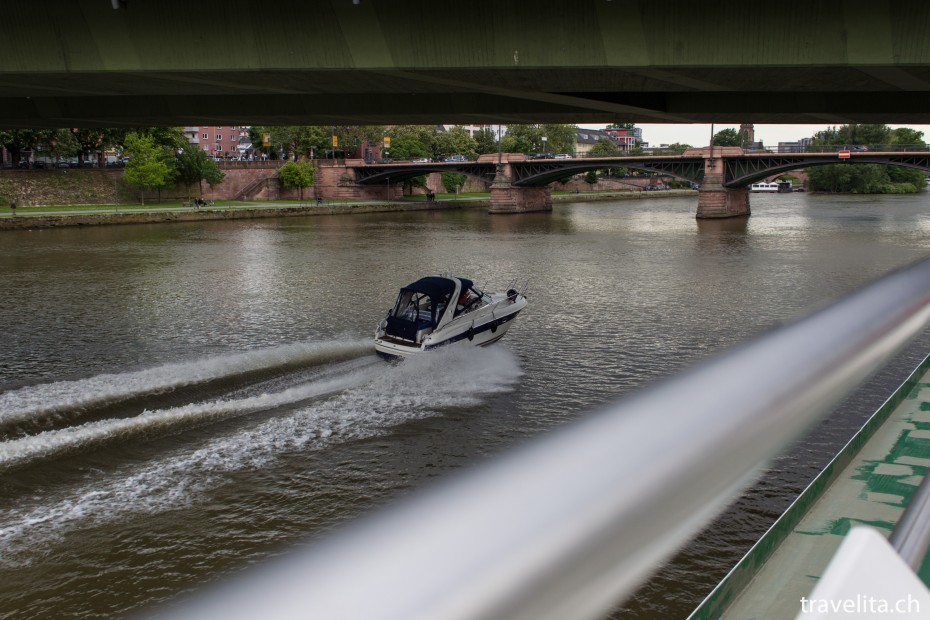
[{"x": 722, "y": 236}]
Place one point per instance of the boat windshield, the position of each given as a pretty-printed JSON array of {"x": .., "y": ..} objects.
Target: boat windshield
[{"x": 415, "y": 307}]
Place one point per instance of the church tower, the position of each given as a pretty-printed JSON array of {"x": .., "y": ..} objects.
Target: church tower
[{"x": 749, "y": 131}]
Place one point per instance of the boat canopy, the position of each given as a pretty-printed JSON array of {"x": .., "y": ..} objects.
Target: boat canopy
[
  {"x": 422, "y": 305},
  {"x": 436, "y": 287}
]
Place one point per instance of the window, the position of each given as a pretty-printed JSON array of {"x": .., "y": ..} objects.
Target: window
[{"x": 206, "y": 136}]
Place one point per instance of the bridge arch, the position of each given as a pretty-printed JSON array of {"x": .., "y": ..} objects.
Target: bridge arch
[
  {"x": 537, "y": 174},
  {"x": 741, "y": 175},
  {"x": 380, "y": 174}
]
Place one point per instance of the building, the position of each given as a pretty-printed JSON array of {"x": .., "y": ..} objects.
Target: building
[
  {"x": 225, "y": 142},
  {"x": 473, "y": 129},
  {"x": 626, "y": 139},
  {"x": 586, "y": 139}
]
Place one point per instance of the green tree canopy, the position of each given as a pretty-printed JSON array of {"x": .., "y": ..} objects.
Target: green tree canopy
[
  {"x": 18, "y": 140},
  {"x": 408, "y": 146},
  {"x": 147, "y": 167},
  {"x": 604, "y": 148},
  {"x": 299, "y": 174},
  {"x": 866, "y": 179},
  {"x": 677, "y": 148},
  {"x": 455, "y": 141},
  {"x": 485, "y": 141},
  {"x": 529, "y": 139},
  {"x": 94, "y": 142},
  {"x": 194, "y": 166},
  {"x": 854, "y": 134},
  {"x": 727, "y": 137},
  {"x": 453, "y": 181}
]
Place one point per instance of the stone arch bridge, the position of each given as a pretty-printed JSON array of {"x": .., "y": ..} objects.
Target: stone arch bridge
[{"x": 519, "y": 184}]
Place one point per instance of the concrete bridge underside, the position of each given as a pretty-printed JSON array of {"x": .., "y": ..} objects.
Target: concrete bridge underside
[{"x": 230, "y": 62}]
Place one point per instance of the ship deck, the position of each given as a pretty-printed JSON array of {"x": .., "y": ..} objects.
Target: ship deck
[{"x": 869, "y": 482}]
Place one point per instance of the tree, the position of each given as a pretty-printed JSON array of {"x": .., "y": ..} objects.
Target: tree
[
  {"x": 853, "y": 134},
  {"x": 299, "y": 174},
  {"x": 453, "y": 181},
  {"x": 147, "y": 168},
  {"x": 408, "y": 146},
  {"x": 604, "y": 148},
  {"x": 94, "y": 142},
  {"x": 455, "y": 141},
  {"x": 727, "y": 137},
  {"x": 18, "y": 140},
  {"x": 870, "y": 178},
  {"x": 907, "y": 136},
  {"x": 485, "y": 141},
  {"x": 865, "y": 179},
  {"x": 677, "y": 148},
  {"x": 194, "y": 166},
  {"x": 529, "y": 139}
]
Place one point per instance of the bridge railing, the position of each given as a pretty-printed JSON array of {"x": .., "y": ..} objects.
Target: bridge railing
[
  {"x": 854, "y": 148},
  {"x": 568, "y": 525}
]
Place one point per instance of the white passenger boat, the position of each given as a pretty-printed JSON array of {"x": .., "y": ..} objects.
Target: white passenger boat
[
  {"x": 781, "y": 187},
  {"x": 438, "y": 311}
]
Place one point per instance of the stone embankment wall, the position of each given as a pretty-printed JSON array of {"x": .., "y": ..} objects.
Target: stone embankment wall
[
  {"x": 248, "y": 181},
  {"x": 56, "y": 221}
]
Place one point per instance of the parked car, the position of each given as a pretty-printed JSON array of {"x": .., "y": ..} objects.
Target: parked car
[
  {"x": 858, "y": 147},
  {"x": 456, "y": 158},
  {"x": 562, "y": 156},
  {"x": 542, "y": 156},
  {"x": 420, "y": 160}
]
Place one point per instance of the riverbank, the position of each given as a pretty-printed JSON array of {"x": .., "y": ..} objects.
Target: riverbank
[{"x": 24, "y": 220}]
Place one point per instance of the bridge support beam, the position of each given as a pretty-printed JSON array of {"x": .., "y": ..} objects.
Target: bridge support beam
[
  {"x": 506, "y": 198},
  {"x": 715, "y": 200}
]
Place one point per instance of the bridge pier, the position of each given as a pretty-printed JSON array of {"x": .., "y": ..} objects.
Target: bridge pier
[
  {"x": 714, "y": 199},
  {"x": 507, "y": 198}
]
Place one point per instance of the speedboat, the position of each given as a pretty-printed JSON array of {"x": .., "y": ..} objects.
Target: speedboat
[{"x": 439, "y": 311}]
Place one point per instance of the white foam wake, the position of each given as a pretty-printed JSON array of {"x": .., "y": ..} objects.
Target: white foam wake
[
  {"x": 42, "y": 400},
  {"x": 418, "y": 388},
  {"x": 54, "y": 444}
]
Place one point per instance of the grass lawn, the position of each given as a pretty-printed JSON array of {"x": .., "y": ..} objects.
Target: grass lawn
[{"x": 177, "y": 204}]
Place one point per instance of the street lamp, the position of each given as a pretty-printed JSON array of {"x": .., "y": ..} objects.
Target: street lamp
[{"x": 544, "y": 139}]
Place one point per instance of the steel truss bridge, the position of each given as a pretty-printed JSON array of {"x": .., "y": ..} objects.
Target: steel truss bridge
[{"x": 740, "y": 170}]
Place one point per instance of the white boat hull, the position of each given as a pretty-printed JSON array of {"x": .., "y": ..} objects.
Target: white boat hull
[{"x": 481, "y": 328}]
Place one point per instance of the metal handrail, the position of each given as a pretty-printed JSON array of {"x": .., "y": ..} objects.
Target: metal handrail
[
  {"x": 911, "y": 536},
  {"x": 569, "y": 524}
]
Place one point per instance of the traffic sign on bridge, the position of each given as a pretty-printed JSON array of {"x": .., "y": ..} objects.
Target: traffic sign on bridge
[{"x": 843, "y": 154}]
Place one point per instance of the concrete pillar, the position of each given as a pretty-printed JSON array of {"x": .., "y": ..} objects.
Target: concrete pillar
[
  {"x": 715, "y": 200},
  {"x": 505, "y": 198}
]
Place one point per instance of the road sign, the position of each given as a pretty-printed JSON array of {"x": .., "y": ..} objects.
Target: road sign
[
  {"x": 335, "y": 141},
  {"x": 387, "y": 142},
  {"x": 843, "y": 154},
  {"x": 266, "y": 139}
]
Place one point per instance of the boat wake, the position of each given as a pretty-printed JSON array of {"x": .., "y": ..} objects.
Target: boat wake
[
  {"x": 51, "y": 403},
  {"x": 352, "y": 400}
]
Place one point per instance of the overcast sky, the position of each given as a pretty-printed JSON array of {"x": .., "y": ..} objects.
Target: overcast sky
[{"x": 699, "y": 135}]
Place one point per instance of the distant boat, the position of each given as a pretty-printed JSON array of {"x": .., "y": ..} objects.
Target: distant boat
[{"x": 781, "y": 187}]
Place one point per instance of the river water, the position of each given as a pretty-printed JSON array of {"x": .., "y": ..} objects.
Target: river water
[{"x": 178, "y": 401}]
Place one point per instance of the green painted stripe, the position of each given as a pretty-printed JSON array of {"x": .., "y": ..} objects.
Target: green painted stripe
[{"x": 745, "y": 570}]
